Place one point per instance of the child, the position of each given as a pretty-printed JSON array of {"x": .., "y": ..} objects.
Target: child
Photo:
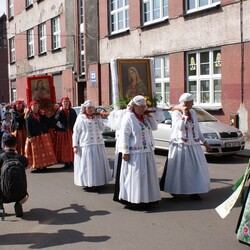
[{"x": 6, "y": 125}]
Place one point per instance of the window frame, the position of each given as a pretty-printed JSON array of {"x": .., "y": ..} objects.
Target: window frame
[
  {"x": 42, "y": 38},
  {"x": 30, "y": 43},
  {"x": 11, "y": 8},
  {"x": 56, "y": 34},
  {"x": 12, "y": 50},
  {"x": 210, "y": 4},
  {"x": 115, "y": 12},
  {"x": 199, "y": 78},
  {"x": 163, "y": 79},
  {"x": 151, "y": 12}
]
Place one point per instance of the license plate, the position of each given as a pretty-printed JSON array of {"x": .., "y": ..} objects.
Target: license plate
[{"x": 232, "y": 144}]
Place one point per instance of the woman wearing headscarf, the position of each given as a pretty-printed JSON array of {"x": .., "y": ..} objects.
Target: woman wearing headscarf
[
  {"x": 187, "y": 169},
  {"x": 38, "y": 148},
  {"x": 139, "y": 186},
  {"x": 91, "y": 166},
  {"x": 18, "y": 126},
  {"x": 65, "y": 119}
]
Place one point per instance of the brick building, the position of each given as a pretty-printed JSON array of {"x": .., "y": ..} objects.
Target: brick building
[
  {"x": 202, "y": 47},
  {"x": 4, "y": 86}
]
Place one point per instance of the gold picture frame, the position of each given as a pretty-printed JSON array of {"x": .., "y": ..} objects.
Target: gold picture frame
[{"x": 134, "y": 77}]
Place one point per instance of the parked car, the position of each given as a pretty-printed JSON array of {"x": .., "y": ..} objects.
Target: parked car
[
  {"x": 224, "y": 139},
  {"x": 108, "y": 134}
]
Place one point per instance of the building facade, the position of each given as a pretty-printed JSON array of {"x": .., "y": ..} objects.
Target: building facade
[
  {"x": 197, "y": 46},
  {"x": 4, "y": 86},
  {"x": 41, "y": 37},
  {"x": 201, "y": 47}
]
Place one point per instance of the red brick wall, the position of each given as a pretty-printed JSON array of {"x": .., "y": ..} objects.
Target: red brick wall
[
  {"x": 134, "y": 14},
  {"x": 175, "y": 8},
  {"x": 177, "y": 76},
  {"x": 247, "y": 78},
  {"x": 103, "y": 18},
  {"x": 226, "y": 2},
  {"x": 105, "y": 85},
  {"x": 231, "y": 80}
]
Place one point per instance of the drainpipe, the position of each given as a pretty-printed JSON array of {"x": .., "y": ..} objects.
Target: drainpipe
[{"x": 242, "y": 51}]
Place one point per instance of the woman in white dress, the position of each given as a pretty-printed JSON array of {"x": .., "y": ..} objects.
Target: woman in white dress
[
  {"x": 187, "y": 169},
  {"x": 139, "y": 185},
  {"x": 91, "y": 166}
]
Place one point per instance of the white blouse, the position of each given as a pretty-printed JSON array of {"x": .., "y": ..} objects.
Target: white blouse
[{"x": 87, "y": 131}]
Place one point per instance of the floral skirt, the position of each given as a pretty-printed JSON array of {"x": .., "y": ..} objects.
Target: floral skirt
[
  {"x": 63, "y": 146},
  {"x": 21, "y": 136},
  {"x": 40, "y": 152}
]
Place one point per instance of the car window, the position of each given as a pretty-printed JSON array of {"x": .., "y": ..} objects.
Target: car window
[{"x": 204, "y": 116}]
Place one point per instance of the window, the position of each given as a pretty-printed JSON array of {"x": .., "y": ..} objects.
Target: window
[
  {"x": 42, "y": 38},
  {"x": 12, "y": 50},
  {"x": 161, "y": 69},
  {"x": 56, "y": 33},
  {"x": 30, "y": 43},
  {"x": 204, "y": 76},
  {"x": 154, "y": 10},
  {"x": 119, "y": 15},
  {"x": 81, "y": 39},
  {"x": 194, "y": 5},
  {"x": 29, "y": 2},
  {"x": 13, "y": 95},
  {"x": 11, "y": 8}
]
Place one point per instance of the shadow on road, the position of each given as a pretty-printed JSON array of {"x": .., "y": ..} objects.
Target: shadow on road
[
  {"x": 44, "y": 240},
  {"x": 73, "y": 214}
]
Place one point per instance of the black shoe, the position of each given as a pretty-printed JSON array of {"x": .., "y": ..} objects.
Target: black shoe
[
  {"x": 195, "y": 197},
  {"x": 18, "y": 209}
]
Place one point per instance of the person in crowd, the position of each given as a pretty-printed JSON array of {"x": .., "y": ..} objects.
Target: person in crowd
[
  {"x": 9, "y": 146},
  {"x": 6, "y": 125},
  {"x": 65, "y": 119},
  {"x": 38, "y": 148},
  {"x": 136, "y": 85},
  {"x": 91, "y": 166},
  {"x": 6, "y": 109},
  {"x": 186, "y": 169},
  {"x": 139, "y": 185},
  {"x": 18, "y": 125}
]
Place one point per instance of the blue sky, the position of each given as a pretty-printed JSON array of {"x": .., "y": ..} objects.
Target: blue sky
[{"x": 2, "y": 7}]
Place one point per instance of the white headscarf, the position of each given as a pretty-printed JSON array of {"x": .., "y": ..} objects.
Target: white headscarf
[
  {"x": 186, "y": 97},
  {"x": 87, "y": 103},
  {"x": 137, "y": 100}
]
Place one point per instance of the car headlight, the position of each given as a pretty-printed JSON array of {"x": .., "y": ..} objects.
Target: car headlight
[
  {"x": 239, "y": 133},
  {"x": 210, "y": 135}
]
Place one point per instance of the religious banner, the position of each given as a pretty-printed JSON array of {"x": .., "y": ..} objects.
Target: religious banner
[{"x": 41, "y": 89}]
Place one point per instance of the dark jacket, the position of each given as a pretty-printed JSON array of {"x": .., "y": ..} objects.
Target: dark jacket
[
  {"x": 35, "y": 126},
  {"x": 18, "y": 121},
  {"x": 64, "y": 122}
]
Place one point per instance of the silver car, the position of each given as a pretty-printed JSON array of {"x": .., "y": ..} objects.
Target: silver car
[
  {"x": 108, "y": 134},
  {"x": 224, "y": 139}
]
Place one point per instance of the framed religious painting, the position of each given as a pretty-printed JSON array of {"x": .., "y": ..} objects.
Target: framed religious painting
[
  {"x": 134, "y": 77},
  {"x": 41, "y": 89}
]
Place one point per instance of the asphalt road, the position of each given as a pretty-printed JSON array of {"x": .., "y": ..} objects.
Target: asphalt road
[{"x": 59, "y": 215}]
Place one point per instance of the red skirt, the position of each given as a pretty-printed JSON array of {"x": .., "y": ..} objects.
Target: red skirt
[
  {"x": 40, "y": 152},
  {"x": 21, "y": 136},
  {"x": 63, "y": 146}
]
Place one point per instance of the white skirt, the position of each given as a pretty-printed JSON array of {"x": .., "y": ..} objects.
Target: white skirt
[
  {"x": 91, "y": 166},
  {"x": 139, "y": 179},
  {"x": 187, "y": 170}
]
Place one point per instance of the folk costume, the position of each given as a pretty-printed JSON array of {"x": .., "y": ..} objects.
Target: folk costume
[
  {"x": 138, "y": 175},
  {"x": 91, "y": 166},
  {"x": 18, "y": 126},
  {"x": 187, "y": 169},
  {"x": 65, "y": 119},
  {"x": 38, "y": 147}
]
